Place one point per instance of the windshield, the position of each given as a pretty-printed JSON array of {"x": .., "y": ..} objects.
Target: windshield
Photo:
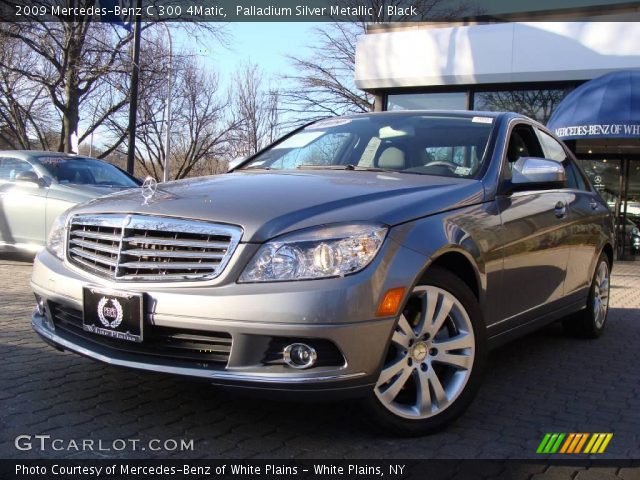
[
  {"x": 452, "y": 146},
  {"x": 85, "y": 171}
]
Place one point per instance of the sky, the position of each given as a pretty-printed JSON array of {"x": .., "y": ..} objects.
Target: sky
[{"x": 265, "y": 44}]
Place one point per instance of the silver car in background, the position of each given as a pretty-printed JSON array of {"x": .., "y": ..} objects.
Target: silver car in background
[
  {"x": 36, "y": 187},
  {"x": 377, "y": 255}
]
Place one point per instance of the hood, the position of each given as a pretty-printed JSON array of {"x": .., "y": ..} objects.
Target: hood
[
  {"x": 267, "y": 203},
  {"x": 81, "y": 193}
]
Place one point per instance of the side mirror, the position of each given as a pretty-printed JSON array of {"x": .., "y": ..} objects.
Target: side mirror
[
  {"x": 532, "y": 172},
  {"x": 27, "y": 176}
]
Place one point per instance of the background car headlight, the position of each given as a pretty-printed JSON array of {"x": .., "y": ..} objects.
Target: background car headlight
[
  {"x": 58, "y": 236},
  {"x": 316, "y": 253}
]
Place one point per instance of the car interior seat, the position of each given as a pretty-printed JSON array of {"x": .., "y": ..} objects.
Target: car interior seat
[
  {"x": 83, "y": 177},
  {"x": 392, "y": 158}
]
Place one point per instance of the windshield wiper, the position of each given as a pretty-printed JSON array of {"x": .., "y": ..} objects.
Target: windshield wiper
[
  {"x": 343, "y": 167},
  {"x": 325, "y": 167}
]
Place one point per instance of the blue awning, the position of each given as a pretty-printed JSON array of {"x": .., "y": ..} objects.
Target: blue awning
[{"x": 605, "y": 107}]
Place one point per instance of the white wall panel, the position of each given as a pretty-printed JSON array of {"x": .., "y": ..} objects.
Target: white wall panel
[{"x": 506, "y": 52}]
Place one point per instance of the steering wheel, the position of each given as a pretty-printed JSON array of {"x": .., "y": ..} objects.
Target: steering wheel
[{"x": 441, "y": 163}]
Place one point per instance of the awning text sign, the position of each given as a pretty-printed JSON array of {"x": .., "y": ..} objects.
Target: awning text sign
[{"x": 611, "y": 130}]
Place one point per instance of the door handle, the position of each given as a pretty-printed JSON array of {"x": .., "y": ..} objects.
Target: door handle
[
  {"x": 593, "y": 204},
  {"x": 561, "y": 210}
]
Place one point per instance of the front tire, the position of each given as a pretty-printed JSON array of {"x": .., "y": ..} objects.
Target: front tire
[
  {"x": 435, "y": 361},
  {"x": 590, "y": 322}
]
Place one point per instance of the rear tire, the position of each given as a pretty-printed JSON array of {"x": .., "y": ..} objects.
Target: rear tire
[
  {"x": 435, "y": 360},
  {"x": 590, "y": 322}
]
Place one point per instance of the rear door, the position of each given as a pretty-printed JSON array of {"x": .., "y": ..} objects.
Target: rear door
[
  {"x": 22, "y": 206},
  {"x": 535, "y": 236}
]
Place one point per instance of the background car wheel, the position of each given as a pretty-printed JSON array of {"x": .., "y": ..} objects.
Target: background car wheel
[
  {"x": 435, "y": 360},
  {"x": 590, "y": 322}
]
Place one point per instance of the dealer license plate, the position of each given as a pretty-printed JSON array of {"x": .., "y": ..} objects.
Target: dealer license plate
[{"x": 113, "y": 314}]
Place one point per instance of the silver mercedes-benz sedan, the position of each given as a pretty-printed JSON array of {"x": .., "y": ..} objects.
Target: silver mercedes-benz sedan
[
  {"x": 36, "y": 187},
  {"x": 377, "y": 255}
]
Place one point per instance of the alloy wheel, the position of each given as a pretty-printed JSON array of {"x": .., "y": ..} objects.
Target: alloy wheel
[
  {"x": 431, "y": 355},
  {"x": 601, "y": 294}
]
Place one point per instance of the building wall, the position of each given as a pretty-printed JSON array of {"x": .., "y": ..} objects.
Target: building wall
[{"x": 495, "y": 53}]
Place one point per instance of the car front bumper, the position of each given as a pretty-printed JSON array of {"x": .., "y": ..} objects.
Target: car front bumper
[
  {"x": 340, "y": 311},
  {"x": 338, "y": 383}
]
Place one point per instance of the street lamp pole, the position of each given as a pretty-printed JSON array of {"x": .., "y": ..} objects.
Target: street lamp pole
[
  {"x": 133, "y": 107},
  {"x": 167, "y": 138}
]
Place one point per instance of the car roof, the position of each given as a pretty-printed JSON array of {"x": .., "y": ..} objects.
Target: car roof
[
  {"x": 499, "y": 118},
  {"x": 32, "y": 155},
  {"x": 448, "y": 113}
]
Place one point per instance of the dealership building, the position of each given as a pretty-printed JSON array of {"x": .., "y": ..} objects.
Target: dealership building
[{"x": 576, "y": 71}]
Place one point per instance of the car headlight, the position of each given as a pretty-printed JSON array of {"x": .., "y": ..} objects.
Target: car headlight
[
  {"x": 58, "y": 236},
  {"x": 324, "y": 252}
]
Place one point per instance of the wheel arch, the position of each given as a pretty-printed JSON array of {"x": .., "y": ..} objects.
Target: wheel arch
[
  {"x": 461, "y": 265},
  {"x": 608, "y": 251}
]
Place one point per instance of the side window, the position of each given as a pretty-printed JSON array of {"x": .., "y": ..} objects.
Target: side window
[
  {"x": 575, "y": 180},
  {"x": 522, "y": 143},
  {"x": 554, "y": 151},
  {"x": 10, "y": 167},
  {"x": 552, "y": 148}
]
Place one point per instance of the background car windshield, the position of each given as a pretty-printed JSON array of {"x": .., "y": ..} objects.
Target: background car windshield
[
  {"x": 423, "y": 144},
  {"x": 85, "y": 171}
]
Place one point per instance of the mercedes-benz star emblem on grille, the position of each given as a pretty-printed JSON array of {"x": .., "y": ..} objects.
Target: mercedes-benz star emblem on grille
[
  {"x": 110, "y": 315},
  {"x": 149, "y": 188}
]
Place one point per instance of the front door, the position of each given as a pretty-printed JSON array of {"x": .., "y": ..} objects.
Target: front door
[
  {"x": 22, "y": 206},
  {"x": 535, "y": 231}
]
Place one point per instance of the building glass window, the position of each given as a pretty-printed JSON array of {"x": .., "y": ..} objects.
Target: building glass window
[
  {"x": 427, "y": 101},
  {"x": 605, "y": 175},
  {"x": 537, "y": 104}
]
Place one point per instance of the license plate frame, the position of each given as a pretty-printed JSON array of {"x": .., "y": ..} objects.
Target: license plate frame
[{"x": 113, "y": 313}]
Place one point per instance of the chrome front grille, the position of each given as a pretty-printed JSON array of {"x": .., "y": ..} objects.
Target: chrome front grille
[{"x": 149, "y": 248}]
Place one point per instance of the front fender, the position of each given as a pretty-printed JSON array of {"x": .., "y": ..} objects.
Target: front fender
[{"x": 472, "y": 232}]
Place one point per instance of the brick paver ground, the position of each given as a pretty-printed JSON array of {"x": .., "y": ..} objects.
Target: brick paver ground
[{"x": 545, "y": 382}]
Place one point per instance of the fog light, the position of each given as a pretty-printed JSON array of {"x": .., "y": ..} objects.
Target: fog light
[
  {"x": 40, "y": 305},
  {"x": 299, "y": 355}
]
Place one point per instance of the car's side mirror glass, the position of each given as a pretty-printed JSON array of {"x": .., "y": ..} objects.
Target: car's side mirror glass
[
  {"x": 532, "y": 172},
  {"x": 27, "y": 176}
]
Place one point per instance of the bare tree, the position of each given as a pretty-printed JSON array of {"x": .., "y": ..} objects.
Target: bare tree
[
  {"x": 203, "y": 120},
  {"x": 200, "y": 122},
  {"x": 538, "y": 104},
  {"x": 255, "y": 106},
  {"x": 324, "y": 85},
  {"x": 26, "y": 119},
  {"x": 81, "y": 65},
  {"x": 70, "y": 60}
]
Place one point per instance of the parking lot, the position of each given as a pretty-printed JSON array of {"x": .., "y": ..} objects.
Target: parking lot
[{"x": 545, "y": 382}]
